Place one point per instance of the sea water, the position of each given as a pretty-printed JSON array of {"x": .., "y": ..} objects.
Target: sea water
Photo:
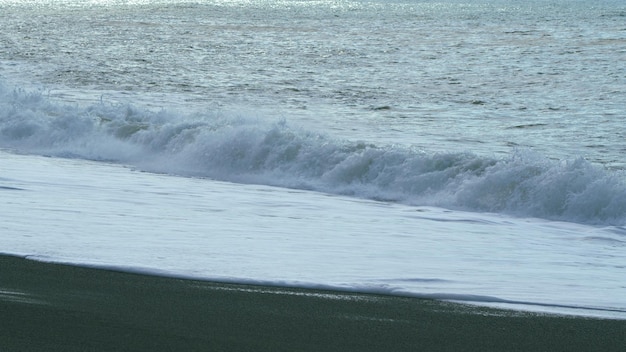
[{"x": 462, "y": 150}]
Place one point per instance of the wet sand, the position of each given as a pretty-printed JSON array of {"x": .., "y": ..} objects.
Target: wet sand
[{"x": 53, "y": 307}]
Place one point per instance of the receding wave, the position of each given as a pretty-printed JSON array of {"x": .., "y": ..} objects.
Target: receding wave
[{"x": 252, "y": 150}]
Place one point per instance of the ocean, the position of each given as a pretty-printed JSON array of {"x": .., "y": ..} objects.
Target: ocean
[{"x": 461, "y": 150}]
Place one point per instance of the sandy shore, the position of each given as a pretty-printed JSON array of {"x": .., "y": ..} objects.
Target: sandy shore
[{"x": 51, "y": 307}]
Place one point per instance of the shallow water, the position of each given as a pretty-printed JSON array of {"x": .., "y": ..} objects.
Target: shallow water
[{"x": 109, "y": 216}]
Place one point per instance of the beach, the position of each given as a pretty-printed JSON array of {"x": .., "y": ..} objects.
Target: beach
[{"x": 56, "y": 307}]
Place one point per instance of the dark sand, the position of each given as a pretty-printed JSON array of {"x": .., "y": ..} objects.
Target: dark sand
[{"x": 51, "y": 307}]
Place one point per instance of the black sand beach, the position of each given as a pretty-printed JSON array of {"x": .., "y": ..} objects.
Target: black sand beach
[{"x": 51, "y": 307}]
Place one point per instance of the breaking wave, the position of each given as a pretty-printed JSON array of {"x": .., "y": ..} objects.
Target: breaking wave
[{"x": 252, "y": 150}]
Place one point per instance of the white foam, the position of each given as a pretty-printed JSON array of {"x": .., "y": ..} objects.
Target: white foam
[
  {"x": 103, "y": 215},
  {"x": 254, "y": 150}
]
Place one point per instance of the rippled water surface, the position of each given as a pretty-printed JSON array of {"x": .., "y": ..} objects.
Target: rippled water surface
[{"x": 452, "y": 75}]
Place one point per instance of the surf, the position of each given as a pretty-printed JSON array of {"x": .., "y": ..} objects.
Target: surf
[{"x": 274, "y": 152}]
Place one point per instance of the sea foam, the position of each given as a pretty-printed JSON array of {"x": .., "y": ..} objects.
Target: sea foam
[{"x": 273, "y": 152}]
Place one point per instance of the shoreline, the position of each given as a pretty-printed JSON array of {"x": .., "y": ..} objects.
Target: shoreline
[{"x": 59, "y": 307}]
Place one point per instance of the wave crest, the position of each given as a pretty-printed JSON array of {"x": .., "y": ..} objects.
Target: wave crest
[{"x": 245, "y": 150}]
